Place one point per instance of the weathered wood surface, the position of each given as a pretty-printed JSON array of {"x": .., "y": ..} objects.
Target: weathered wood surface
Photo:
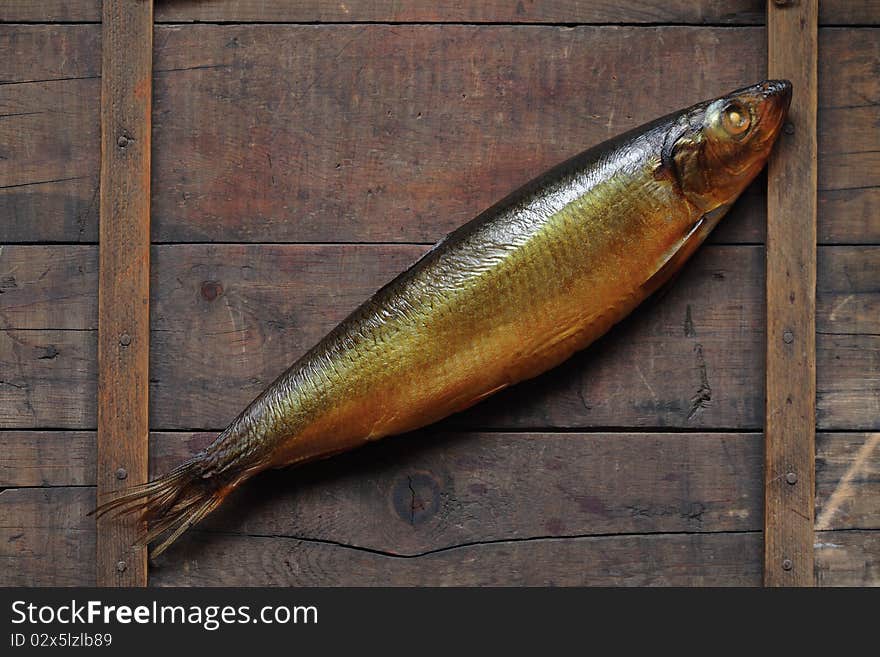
[
  {"x": 124, "y": 281},
  {"x": 227, "y": 319},
  {"x": 449, "y": 156},
  {"x": 790, "y": 416},
  {"x": 46, "y": 537},
  {"x": 847, "y": 558},
  {"x": 47, "y": 458},
  {"x": 460, "y": 493},
  {"x": 746, "y": 12}
]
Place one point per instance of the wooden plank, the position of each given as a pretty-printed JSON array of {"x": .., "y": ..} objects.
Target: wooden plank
[
  {"x": 49, "y": 287},
  {"x": 492, "y": 11},
  {"x": 301, "y": 291},
  {"x": 228, "y": 319},
  {"x": 40, "y": 526},
  {"x": 50, "y": 11},
  {"x": 124, "y": 280},
  {"x": 47, "y": 458},
  {"x": 847, "y": 465},
  {"x": 49, "y": 130},
  {"x": 848, "y": 481},
  {"x": 46, "y": 537},
  {"x": 848, "y": 558},
  {"x": 660, "y": 560},
  {"x": 790, "y": 423},
  {"x": 247, "y": 162},
  {"x": 847, "y": 291},
  {"x": 49, "y": 379},
  {"x": 435, "y": 490},
  {"x": 478, "y": 479},
  {"x": 864, "y": 12}
]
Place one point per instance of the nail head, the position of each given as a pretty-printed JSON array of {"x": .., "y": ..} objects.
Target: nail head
[
  {"x": 125, "y": 339},
  {"x": 122, "y": 142},
  {"x": 787, "y": 564},
  {"x": 121, "y": 473},
  {"x": 121, "y": 566},
  {"x": 791, "y": 478},
  {"x": 787, "y": 337}
]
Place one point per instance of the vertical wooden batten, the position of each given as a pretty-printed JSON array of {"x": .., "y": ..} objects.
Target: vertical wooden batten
[
  {"x": 790, "y": 424},
  {"x": 123, "y": 293}
]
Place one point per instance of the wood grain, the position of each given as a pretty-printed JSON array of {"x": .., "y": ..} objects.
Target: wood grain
[
  {"x": 226, "y": 319},
  {"x": 49, "y": 130},
  {"x": 483, "y": 485},
  {"x": 790, "y": 421},
  {"x": 46, "y": 537},
  {"x": 836, "y": 12},
  {"x": 847, "y": 558},
  {"x": 844, "y": 460},
  {"x": 47, "y": 458},
  {"x": 124, "y": 280}
]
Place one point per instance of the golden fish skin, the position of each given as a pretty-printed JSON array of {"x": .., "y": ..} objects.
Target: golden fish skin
[{"x": 509, "y": 295}]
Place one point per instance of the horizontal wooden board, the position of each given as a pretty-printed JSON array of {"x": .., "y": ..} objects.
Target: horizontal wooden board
[
  {"x": 495, "y": 11},
  {"x": 518, "y": 489},
  {"x": 847, "y": 481},
  {"x": 228, "y": 318},
  {"x": 48, "y": 378},
  {"x": 664, "y": 560},
  {"x": 46, "y": 537},
  {"x": 848, "y": 465},
  {"x": 239, "y": 157},
  {"x": 848, "y": 290},
  {"x": 47, "y": 458},
  {"x": 848, "y": 558},
  {"x": 431, "y": 491}
]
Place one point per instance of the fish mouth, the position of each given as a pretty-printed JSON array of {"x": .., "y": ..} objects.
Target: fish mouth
[{"x": 776, "y": 91}]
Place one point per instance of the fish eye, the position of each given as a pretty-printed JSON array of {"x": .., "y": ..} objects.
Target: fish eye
[{"x": 735, "y": 119}]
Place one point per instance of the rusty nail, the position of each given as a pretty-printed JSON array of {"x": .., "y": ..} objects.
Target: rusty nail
[
  {"x": 787, "y": 564},
  {"x": 125, "y": 339},
  {"x": 121, "y": 566},
  {"x": 787, "y": 336},
  {"x": 791, "y": 478},
  {"x": 122, "y": 142},
  {"x": 788, "y": 128},
  {"x": 121, "y": 473}
]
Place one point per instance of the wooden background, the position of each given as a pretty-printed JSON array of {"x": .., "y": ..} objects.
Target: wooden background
[{"x": 306, "y": 152}]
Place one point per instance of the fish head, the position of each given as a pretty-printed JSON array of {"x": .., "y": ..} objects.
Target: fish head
[{"x": 725, "y": 142}]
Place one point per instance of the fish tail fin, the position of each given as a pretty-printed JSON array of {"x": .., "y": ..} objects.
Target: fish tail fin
[{"x": 170, "y": 504}]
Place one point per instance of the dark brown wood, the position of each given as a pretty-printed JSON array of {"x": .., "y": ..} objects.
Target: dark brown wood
[
  {"x": 49, "y": 130},
  {"x": 229, "y": 319},
  {"x": 124, "y": 281},
  {"x": 47, "y": 458},
  {"x": 435, "y": 490},
  {"x": 790, "y": 423},
  {"x": 49, "y": 378},
  {"x": 481, "y": 484},
  {"x": 653, "y": 560},
  {"x": 301, "y": 291},
  {"x": 835, "y": 12},
  {"x": 47, "y": 537},
  {"x": 847, "y": 558},
  {"x": 847, "y": 481}
]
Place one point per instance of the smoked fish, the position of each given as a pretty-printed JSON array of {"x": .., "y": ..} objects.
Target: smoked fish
[{"x": 509, "y": 295}]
